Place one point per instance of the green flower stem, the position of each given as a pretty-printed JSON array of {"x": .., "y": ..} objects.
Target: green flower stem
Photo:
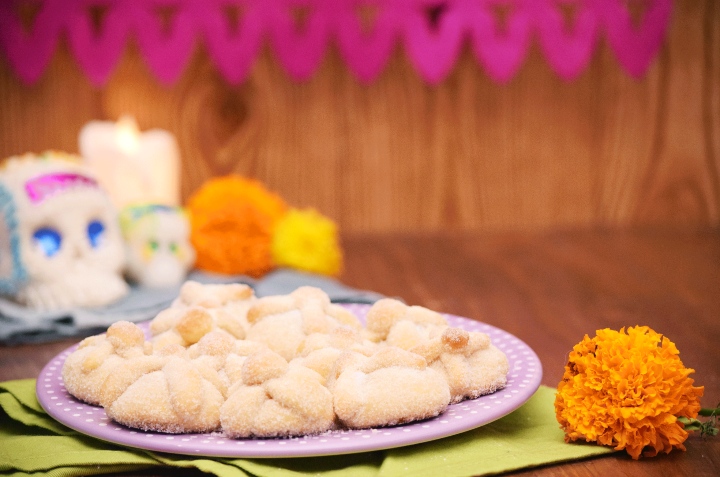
[{"x": 707, "y": 428}]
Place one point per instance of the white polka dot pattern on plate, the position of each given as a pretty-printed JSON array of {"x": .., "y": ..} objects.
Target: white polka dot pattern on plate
[{"x": 523, "y": 379}]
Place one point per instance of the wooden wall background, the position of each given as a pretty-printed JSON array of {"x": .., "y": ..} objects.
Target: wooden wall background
[{"x": 604, "y": 150}]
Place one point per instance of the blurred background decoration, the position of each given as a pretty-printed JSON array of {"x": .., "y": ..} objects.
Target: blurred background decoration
[
  {"x": 60, "y": 228},
  {"x": 432, "y": 32},
  {"x": 391, "y": 116},
  {"x": 133, "y": 167},
  {"x": 158, "y": 251}
]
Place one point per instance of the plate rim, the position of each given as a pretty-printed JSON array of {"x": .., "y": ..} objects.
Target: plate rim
[{"x": 332, "y": 445}]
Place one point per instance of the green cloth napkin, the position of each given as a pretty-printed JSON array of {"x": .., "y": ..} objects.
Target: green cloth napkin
[{"x": 32, "y": 442}]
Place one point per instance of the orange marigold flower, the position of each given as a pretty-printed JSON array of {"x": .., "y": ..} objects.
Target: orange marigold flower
[
  {"x": 627, "y": 390},
  {"x": 232, "y": 223}
]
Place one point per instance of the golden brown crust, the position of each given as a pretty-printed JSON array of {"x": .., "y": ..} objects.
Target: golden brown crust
[
  {"x": 194, "y": 324},
  {"x": 201, "y": 309},
  {"x": 471, "y": 366}
]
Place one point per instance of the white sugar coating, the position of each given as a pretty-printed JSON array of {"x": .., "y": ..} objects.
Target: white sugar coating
[
  {"x": 282, "y": 332},
  {"x": 388, "y": 312},
  {"x": 286, "y": 322},
  {"x": 388, "y": 395},
  {"x": 201, "y": 309},
  {"x": 288, "y": 365},
  {"x": 175, "y": 399},
  {"x": 290, "y": 401},
  {"x": 87, "y": 370},
  {"x": 407, "y": 334},
  {"x": 213, "y": 295},
  {"x": 321, "y": 361},
  {"x": 472, "y": 367}
]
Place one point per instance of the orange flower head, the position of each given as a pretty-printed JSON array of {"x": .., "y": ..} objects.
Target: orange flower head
[
  {"x": 232, "y": 224},
  {"x": 627, "y": 389}
]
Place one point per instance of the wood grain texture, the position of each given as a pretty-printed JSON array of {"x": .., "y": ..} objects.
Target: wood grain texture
[
  {"x": 399, "y": 155},
  {"x": 548, "y": 289}
]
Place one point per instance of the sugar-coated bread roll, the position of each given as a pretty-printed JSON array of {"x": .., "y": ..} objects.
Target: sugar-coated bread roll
[
  {"x": 185, "y": 395},
  {"x": 98, "y": 358},
  {"x": 283, "y": 322},
  {"x": 277, "y": 399},
  {"x": 393, "y": 386},
  {"x": 387, "y": 313},
  {"x": 470, "y": 364},
  {"x": 193, "y": 293},
  {"x": 320, "y": 351},
  {"x": 220, "y": 359},
  {"x": 200, "y": 309},
  {"x": 175, "y": 399}
]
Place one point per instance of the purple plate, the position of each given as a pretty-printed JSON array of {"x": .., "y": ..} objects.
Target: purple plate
[{"x": 523, "y": 380}]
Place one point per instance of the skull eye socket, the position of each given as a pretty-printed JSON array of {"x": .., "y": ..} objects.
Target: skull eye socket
[
  {"x": 95, "y": 233},
  {"x": 48, "y": 240}
]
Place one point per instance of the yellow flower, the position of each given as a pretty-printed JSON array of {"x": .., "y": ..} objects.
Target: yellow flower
[
  {"x": 232, "y": 220},
  {"x": 306, "y": 240},
  {"x": 627, "y": 390}
]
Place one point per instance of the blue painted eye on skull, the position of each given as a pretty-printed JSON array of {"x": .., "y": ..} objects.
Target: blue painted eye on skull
[
  {"x": 95, "y": 233},
  {"x": 48, "y": 240}
]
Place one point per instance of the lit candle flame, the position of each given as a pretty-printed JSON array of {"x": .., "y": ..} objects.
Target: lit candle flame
[
  {"x": 127, "y": 135},
  {"x": 134, "y": 166}
]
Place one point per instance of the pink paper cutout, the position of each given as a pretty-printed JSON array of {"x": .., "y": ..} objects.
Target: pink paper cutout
[
  {"x": 299, "y": 51},
  {"x": 97, "y": 55},
  {"x": 232, "y": 54},
  {"x": 29, "y": 53},
  {"x": 433, "y": 52},
  {"x": 501, "y": 53},
  {"x": 433, "y": 49},
  {"x": 568, "y": 52},
  {"x": 366, "y": 54},
  {"x": 635, "y": 48},
  {"x": 165, "y": 52}
]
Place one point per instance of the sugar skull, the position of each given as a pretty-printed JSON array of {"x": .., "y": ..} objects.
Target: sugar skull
[
  {"x": 60, "y": 241},
  {"x": 158, "y": 247}
]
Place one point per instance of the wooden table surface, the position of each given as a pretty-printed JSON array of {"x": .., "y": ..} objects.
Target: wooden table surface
[{"x": 549, "y": 290}]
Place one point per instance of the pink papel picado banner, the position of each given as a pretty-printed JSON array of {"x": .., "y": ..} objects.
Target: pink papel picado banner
[{"x": 431, "y": 32}]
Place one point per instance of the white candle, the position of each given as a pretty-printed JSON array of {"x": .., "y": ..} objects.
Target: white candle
[{"x": 134, "y": 167}]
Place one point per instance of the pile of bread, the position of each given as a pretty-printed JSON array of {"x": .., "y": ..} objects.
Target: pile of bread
[{"x": 221, "y": 359}]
